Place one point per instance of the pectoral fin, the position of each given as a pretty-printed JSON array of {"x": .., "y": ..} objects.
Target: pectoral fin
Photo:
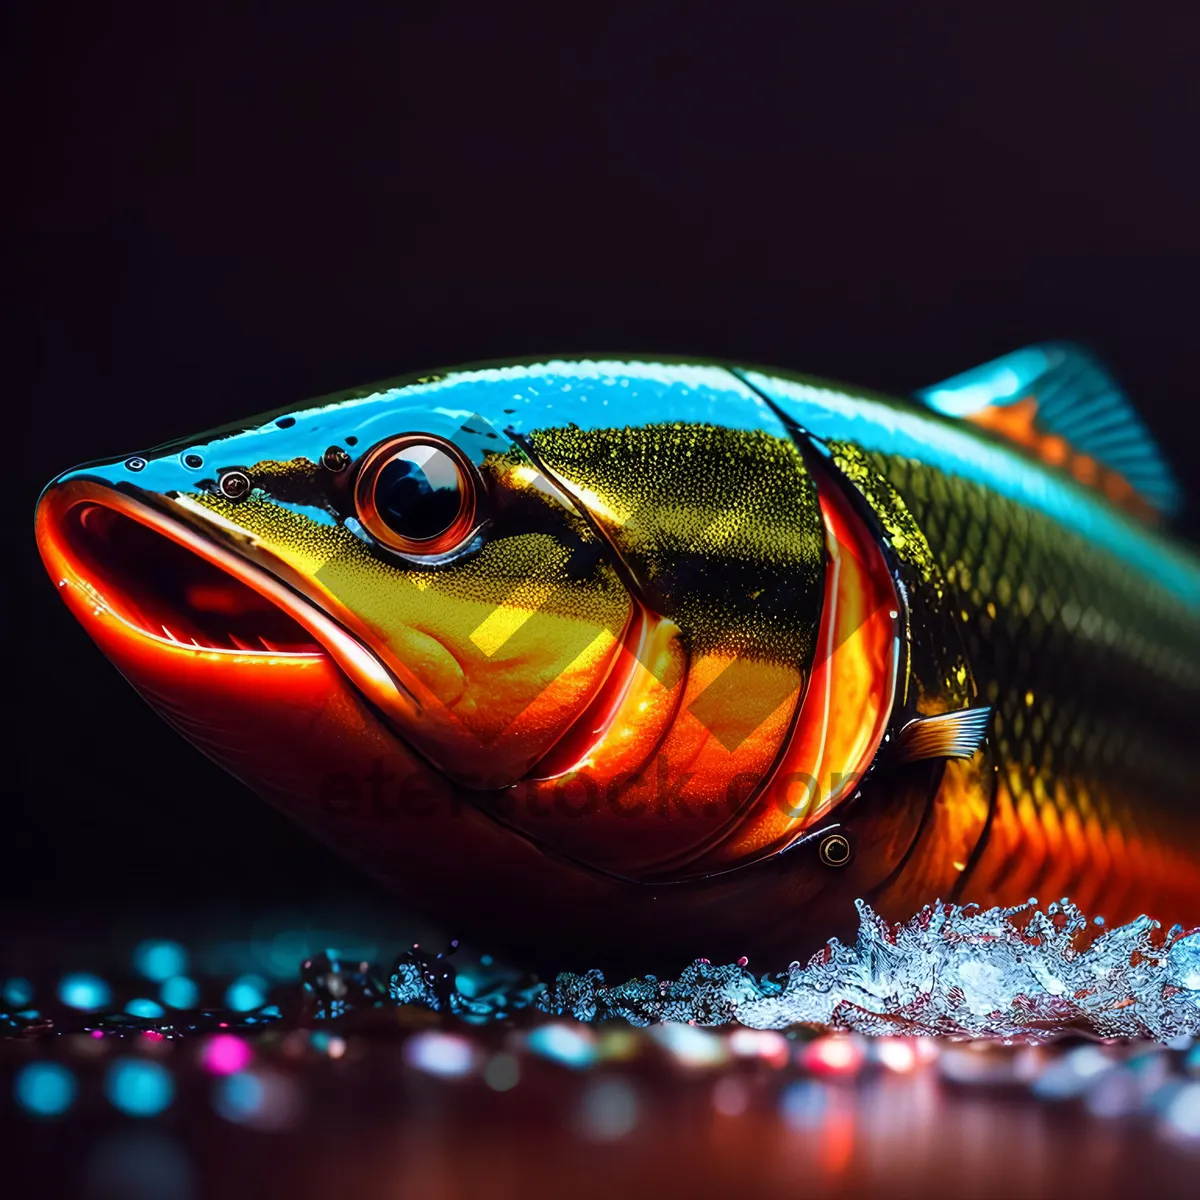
[{"x": 947, "y": 735}]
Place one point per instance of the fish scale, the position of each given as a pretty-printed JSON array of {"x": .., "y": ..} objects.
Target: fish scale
[{"x": 1090, "y": 674}]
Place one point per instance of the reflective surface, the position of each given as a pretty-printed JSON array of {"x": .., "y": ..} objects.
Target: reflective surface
[
  {"x": 307, "y": 1071},
  {"x": 431, "y": 1108}
]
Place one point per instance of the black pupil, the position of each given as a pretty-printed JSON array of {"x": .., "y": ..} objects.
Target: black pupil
[{"x": 418, "y": 493}]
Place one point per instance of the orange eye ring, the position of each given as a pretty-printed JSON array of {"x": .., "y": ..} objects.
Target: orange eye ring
[{"x": 417, "y": 494}]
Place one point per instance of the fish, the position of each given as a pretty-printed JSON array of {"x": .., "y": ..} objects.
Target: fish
[{"x": 626, "y": 660}]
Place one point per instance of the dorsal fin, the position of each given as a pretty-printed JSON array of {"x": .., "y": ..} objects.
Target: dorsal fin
[{"x": 1059, "y": 404}]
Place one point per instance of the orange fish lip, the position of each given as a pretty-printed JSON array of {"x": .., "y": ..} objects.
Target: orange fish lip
[{"x": 108, "y": 607}]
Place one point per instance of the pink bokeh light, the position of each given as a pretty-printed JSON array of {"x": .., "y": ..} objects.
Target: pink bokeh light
[{"x": 226, "y": 1054}]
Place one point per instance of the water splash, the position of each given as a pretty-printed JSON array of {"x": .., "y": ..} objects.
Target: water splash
[{"x": 954, "y": 970}]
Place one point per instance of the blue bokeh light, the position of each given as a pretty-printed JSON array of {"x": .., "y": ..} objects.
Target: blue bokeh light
[
  {"x": 143, "y": 1007},
  {"x": 240, "y": 1098},
  {"x": 139, "y": 1087},
  {"x": 246, "y": 994},
  {"x": 158, "y": 960},
  {"x": 261, "y": 1099},
  {"x": 45, "y": 1089},
  {"x": 179, "y": 992},
  {"x": 84, "y": 991},
  {"x": 564, "y": 1044},
  {"x": 17, "y": 992}
]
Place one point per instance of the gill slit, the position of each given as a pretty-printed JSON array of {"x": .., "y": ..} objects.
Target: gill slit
[
  {"x": 901, "y": 701},
  {"x": 638, "y": 621},
  {"x": 819, "y": 461}
]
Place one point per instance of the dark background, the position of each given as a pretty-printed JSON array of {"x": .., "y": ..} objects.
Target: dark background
[{"x": 212, "y": 212}]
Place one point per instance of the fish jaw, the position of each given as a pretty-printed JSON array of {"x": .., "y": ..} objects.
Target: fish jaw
[{"x": 233, "y": 659}]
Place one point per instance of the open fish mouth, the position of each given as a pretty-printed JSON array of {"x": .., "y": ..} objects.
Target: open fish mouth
[
  {"x": 191, "y": 602},
  {"x": 146, "y": 575}
]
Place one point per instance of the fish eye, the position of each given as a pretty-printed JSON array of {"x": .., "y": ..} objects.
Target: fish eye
[{"x": 416, "y": 494}]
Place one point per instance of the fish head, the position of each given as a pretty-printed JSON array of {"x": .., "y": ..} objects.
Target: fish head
[
  {"x": 554, "y": 626},
  {"x": 413, "y": 545}
]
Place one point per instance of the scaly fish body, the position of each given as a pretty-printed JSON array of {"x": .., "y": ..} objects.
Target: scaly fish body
[{"x": 647, "y": 657}]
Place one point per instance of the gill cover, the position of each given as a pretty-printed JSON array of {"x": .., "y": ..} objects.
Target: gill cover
[{"x": 759, "y": 674}]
